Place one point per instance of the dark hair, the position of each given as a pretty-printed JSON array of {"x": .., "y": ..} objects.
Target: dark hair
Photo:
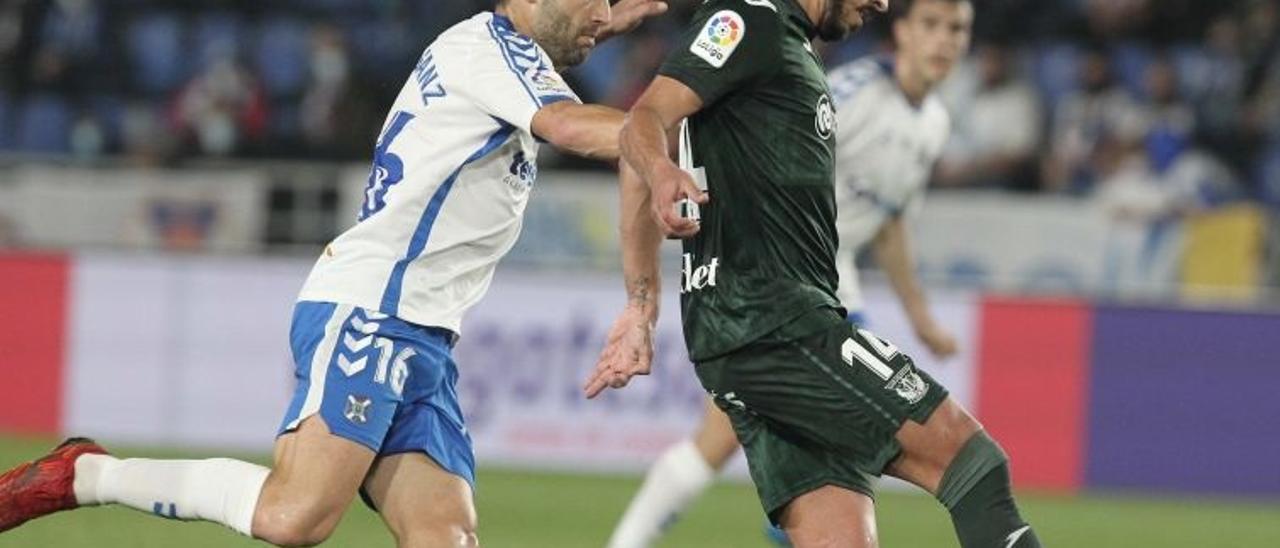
[{"x": 902, "y": 8}]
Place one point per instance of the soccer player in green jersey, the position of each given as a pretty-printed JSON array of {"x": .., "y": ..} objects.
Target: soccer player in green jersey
[{"x": 819, "y": 405}]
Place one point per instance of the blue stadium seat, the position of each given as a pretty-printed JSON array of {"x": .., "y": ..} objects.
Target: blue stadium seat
[
  {"x": 6, "y": 122},
  {"x": 218, "y": 36},
  {"x": 156, "y": 53},
  {"x": 599, "y": 74},
  {"x": 1056, "y": 71},
  {"x": 282, "y": 56},
  {"x": 44, "y": 124},
  {"x": 109, "y": 111},
  {"x": 1267, "y": 176},
  {"x": 1193, "y": 64},
  {"x": 286, "y": 121},
  {"x": 383, "y": 49},
  {"x": 77, "y": 35},
  {"x": 1129, "y": 63}
]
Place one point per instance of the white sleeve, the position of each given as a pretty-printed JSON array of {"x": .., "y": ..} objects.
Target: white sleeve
[{"x": 510, "y": 78}]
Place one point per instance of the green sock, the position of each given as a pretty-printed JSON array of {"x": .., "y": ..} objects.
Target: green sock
[{"x": 975, "y": 489}]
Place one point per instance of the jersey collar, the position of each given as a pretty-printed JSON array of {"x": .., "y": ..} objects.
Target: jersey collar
[
  {"x": 797, "y": 14},
  {"x": 502, "y": 22}
]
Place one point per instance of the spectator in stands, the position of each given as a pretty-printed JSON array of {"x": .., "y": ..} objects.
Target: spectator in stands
[
  {"x": 1167, "y": 111},
  {"x": 1099, "y": 112},
  {"x": 996, "y": 126},
  {"x": 335, "y": 115},
  {"x": 222, "y": 110}
]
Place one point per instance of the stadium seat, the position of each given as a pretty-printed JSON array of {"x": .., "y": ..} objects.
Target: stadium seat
[
  {"x": 76, "y": 33},
  {"x": 1194, "y": 68},
  {"x": 217, "y": 36},
  {"x": 1129, "y": 64},
  {"x": 109, "y": 111},
  {"x": 1055, "y": 71},
  {"x": 1267, "y": 176},
  {"x": 6, "y": 122},
  {"x": 44, "y": 124},
  {"x": 281, "y": 56},
  {"x": 156, "y": 52},
  {"x": 378, "y": 46}
]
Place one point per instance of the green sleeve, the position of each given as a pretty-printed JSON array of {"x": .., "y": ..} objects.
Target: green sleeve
[{"x": 729, "y": 45}]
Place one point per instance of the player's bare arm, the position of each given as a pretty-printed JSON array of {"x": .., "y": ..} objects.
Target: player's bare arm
[
  {"x": 893, "y": 254},
  {"x": 590, "y": 131},
  {"x": 629, "y": 349},
  {"x": 645, "y": 147}
]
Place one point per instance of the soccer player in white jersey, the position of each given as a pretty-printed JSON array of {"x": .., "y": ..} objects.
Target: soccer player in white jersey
[
  {"x": 891, "y": 129},
  {"x": 375, "y": 411}
]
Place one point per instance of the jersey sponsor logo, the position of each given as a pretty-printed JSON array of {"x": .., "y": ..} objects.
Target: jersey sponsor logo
[
  {"x": 721, "y": 35},
  {"x": 824, "y": 121},
  {"x": 522, "y": 173},
  {"x": 694, "y": 278},
  {"x": 428, "y": 77}
]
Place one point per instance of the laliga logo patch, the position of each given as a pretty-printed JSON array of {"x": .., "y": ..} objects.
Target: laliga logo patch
[
  {"x": 825, "y": 120},
  {"x": 546, "y": 82},
  {"x": 722, "y": 34}
]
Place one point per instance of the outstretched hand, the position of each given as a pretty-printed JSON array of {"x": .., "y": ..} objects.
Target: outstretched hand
[
  {"x": 628, "y": 14},
  {"x": 628, "y": 352}
]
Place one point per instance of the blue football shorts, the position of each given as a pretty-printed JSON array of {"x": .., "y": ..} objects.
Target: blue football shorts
[{"x": 379, "y": 381}]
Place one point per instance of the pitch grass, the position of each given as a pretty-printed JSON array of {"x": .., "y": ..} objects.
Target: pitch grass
[{"x": 535, "y": 510}]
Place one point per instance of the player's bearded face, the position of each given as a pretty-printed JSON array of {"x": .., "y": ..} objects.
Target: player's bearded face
[
  {"x": 845, "y": 16},
  {"x": 567, "y": 34}
]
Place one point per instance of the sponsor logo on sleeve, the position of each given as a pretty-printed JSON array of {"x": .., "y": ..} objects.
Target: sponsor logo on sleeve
[
  {"x": 719, "y": 37},
  {"x": 825, "y": 119}
]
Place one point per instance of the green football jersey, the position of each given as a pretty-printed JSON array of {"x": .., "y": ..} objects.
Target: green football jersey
[{"x": 764, "y": 142}]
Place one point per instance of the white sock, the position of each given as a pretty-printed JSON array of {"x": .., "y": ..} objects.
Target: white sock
[
  {"x": 674, "y": 481},
  {"x": 219, "y": 490}
]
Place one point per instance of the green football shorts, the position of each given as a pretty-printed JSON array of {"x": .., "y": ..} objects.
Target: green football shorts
[{"x": 819, "y": 410}]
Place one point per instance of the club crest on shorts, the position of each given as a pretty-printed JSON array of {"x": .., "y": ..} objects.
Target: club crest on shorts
[
  {"x": 908, "y": 385},
  {"x": 721, "y": 35},
  {"x": 357, "y": 409}
]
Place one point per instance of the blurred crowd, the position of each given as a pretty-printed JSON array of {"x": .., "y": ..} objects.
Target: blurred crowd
[{"x": 1157, "y": 106}]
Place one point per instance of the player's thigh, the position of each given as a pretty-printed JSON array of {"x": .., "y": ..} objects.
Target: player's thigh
[
  {"x": 927, "y": 449},
  {"x": 313, "y": 480},
  {"x": 715, "y": 438},
  {"x": 422, "y": 503},
  {"x": 831, "y": 516},
  {"x": 842, "y": 391}
]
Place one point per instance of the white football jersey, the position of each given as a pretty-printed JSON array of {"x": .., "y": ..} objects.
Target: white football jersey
[
  {"x": 452, "y": 172},
  {"x": 886, "y": 148}
]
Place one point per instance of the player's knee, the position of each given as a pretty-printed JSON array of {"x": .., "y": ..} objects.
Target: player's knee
[
  {"x": 829, "y": 538},
  {"x": 296, "y": 523},
  {"x": 458, "y": 533}
]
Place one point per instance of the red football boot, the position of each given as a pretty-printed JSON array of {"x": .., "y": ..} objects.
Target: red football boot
[{"x": 43, "y": 486}]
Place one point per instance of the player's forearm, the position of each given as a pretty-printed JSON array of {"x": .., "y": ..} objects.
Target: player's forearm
[
  {"x": 893, "y": 254},
  {"x": 590, "y": 131},
  {"x": 641, "y": 240},
  {"x": 644, "y": 141}
]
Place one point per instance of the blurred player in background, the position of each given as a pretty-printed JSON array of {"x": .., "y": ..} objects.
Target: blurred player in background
[
  {"x": 891, "y": 129},
  {"x": 821, "y": 406},
  {"x": 375, "y": 410}
]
